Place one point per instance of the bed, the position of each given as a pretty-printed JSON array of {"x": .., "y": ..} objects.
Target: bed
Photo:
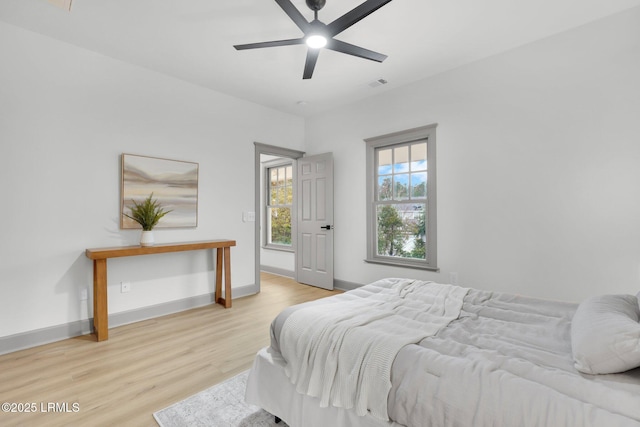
[{"x": 401, "y": 352}]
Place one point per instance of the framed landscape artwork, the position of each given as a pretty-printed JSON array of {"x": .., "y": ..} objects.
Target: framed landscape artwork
[{"x": 174, "y": 185}]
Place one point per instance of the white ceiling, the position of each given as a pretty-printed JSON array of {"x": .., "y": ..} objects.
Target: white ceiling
[{"x": 193, "y": 40}]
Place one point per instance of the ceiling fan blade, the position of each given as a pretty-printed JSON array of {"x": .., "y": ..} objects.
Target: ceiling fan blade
[
  {"x": 294, "y": 14},
  {"x": 310, "y": 63},
  {"x": 274, "y": 43},
  {"x": 354, "y": 15},
  {"x": 350, "y": 49}
]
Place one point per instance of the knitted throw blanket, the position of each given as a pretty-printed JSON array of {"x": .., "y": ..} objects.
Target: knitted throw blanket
[{"x": 342, "y": 352}]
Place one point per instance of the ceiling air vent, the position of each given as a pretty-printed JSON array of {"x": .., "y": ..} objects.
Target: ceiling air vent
[{"x": 378, "y": 82}]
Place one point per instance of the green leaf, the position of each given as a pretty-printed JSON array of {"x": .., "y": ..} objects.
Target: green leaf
[{"x": 147, "y": 213}]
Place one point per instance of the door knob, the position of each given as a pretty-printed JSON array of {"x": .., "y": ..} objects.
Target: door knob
[{"x": 326, "y": 227}]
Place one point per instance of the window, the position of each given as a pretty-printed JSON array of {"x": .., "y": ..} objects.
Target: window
[
  {"x": 279, "y": 202},
  {"x": 401, "y": 198}
]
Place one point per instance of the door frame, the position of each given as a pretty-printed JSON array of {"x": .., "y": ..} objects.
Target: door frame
[{"x": 273, "y": 150}]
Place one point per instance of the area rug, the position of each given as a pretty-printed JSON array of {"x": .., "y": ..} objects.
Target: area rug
[{"x": 222, "y": 405}]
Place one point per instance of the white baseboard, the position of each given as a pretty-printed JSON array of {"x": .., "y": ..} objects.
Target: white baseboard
[
  {"x": 278, "y": 271},
  {"x": 343, "y": 285},
  {"x": 37, "y": 337}
]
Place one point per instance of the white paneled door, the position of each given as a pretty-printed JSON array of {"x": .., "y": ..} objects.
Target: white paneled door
[{"x": 314, "y": 259}]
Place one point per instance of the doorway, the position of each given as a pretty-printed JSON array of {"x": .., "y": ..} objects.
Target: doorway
[
  {"x": 310, "y": 248},
  {"x": 262, "y": 152}
]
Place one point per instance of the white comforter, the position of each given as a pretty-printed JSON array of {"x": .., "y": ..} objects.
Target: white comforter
[
  {"x": 506, "y": 361},
  {"x": 342, "y": 353}
]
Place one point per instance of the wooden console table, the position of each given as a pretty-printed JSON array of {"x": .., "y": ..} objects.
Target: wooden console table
[{"x": 100, "y": 256}]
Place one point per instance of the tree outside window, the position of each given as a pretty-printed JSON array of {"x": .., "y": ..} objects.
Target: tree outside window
[
  {"x": 279, "y": 203},
  {"x": 401, "y": 199}
]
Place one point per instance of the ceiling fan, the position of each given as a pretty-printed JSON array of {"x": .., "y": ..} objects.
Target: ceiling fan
[{"x": 318, "y": 34}]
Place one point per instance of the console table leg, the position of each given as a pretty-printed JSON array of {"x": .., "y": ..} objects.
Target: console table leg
[
  {"x": 227, "y": 277},
  {"x": 100, "y": 313},
  {"x": 218, "y": 295},
  {"x": 223, "y": 256}
]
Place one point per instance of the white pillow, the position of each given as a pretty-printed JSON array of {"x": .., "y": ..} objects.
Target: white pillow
[{"x": 605, "y": 334}]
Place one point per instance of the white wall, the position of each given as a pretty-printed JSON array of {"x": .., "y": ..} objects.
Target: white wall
[
  {"x": 538, "y": 165},
  {"x": 66, "y": 115}
]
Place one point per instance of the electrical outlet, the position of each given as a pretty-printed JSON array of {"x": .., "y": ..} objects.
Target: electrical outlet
[{"x": 125, "y": 287}]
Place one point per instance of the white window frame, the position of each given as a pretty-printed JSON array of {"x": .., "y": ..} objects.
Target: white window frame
[
  {"x": 278, "y": 163},
  {"x": 427, "y": 133}
]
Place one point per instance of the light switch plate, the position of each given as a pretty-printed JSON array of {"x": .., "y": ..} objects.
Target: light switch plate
[{"x": 248, "y": 216}]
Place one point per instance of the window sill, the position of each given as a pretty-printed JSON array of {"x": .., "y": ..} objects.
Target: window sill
[
  {"x": 278, "y": 248},
  {"x": 402, "y": 264}
]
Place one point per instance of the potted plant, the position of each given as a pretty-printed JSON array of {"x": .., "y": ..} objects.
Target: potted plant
[{"x": 147, "y": 214}]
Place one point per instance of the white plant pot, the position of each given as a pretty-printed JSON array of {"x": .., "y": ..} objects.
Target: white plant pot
[{"x": 147, "y": 238}]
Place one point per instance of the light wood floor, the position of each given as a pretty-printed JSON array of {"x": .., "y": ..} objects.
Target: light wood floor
[{"x": 144, "y": 366}]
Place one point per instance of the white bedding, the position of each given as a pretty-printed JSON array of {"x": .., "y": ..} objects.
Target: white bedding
[
  {"x": 505, "y": 362},
  {"x": 342, "y": 353}
]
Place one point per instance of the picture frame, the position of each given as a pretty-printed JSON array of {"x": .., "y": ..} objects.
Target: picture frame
[{"x": 173, "y": 183}]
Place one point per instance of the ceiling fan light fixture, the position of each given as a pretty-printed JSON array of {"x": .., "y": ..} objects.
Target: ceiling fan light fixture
[
  {"x": 316, "y": 41},
  {"x": 318, "y": 35}
]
